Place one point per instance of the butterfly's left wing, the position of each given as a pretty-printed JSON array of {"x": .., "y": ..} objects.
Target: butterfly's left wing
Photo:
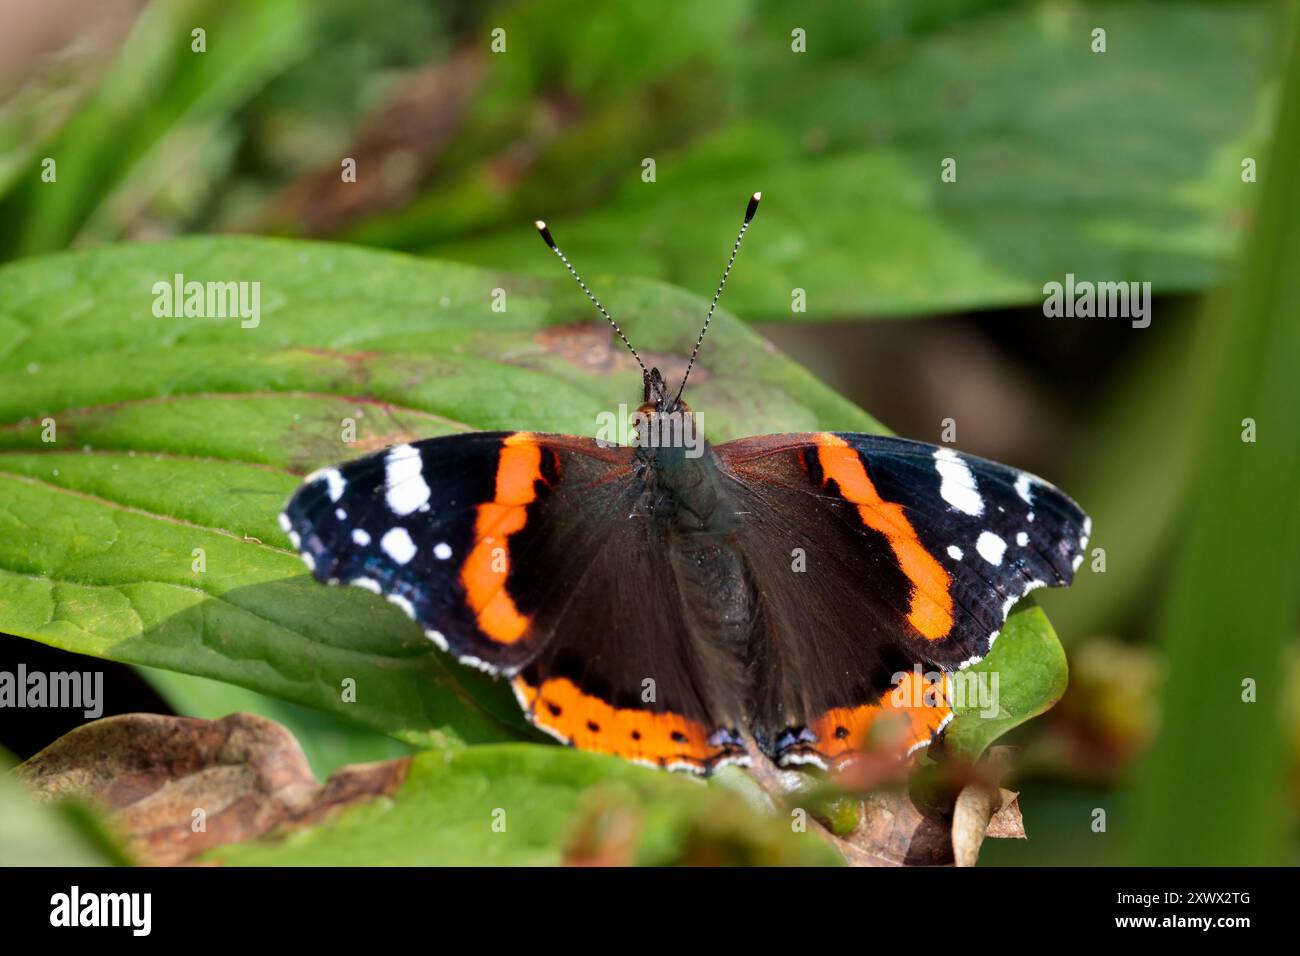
[
  {"x": 872, "y": 555},
  {"x": 524, "y": 555}
]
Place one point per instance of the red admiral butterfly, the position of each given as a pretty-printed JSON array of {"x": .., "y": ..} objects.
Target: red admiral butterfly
[{"x": 662, "y": 601}]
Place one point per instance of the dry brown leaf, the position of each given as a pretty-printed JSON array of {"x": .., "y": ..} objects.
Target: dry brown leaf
[
  {"x": 1007, "y": 823},
  {"x": 179, "y": 786}
]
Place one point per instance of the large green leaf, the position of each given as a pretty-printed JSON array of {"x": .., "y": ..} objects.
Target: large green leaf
[
  {"x": 176, "y": 434},
  {"x": 1117, "y": 165},
  {"x": 518, "y": 805}
]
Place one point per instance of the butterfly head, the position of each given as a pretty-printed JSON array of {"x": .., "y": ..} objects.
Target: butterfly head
[
  {"x": 667, "y": 431},
  {"x": 657, "y": 397}
]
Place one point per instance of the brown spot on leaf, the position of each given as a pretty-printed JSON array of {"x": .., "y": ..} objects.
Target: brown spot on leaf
[
  {"x": 605, "y": 833},
  {"x": 365, "y": 444},
  {"x": 595, "y": 349},
  {"x": 351, "y": 358}
]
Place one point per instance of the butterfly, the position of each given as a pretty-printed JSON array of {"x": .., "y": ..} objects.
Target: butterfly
[{"x": 809, "y": 597}]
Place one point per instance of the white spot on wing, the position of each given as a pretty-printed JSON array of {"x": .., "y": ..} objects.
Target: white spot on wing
[
  {"x": 284, "y": 523},
  {"x": 990, "y": 547},
  {"x": 1024, "y": 487},
  {"x": 406, "y": 488},
  {"x": 803, "y": 758},
  {"x": 442, "y": 551},
  {"x": 397, "y": 544},
  {"x": 334, "y": 483},
  {"x": 404, "y": 604},
  {"x": 340, "y": 514},
  {"x": 366, "y": 584},
  {"x": 470, "y": 661},
  {"x": 954, "y": 552},
  {"x": 360, "y": 536},
  {"x": 958, "y": 484},
  {"x": 1022, "y": 539},
  {"x": 1007, "y": 605}
]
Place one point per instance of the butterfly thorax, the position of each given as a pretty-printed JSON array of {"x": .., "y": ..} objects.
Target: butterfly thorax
[{"x": 678, "y": 469}]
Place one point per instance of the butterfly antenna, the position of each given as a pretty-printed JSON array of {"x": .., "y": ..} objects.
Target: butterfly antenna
[
  {"x": 550, "y": 241},
  {"x": 749, "y": 214}
]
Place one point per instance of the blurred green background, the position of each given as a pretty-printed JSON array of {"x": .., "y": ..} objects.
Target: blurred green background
[{"x": 918, "y": 298}]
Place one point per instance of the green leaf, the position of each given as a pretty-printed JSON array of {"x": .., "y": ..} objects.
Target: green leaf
[
  {"x": 520, "y": 805},
  {"x": 1024, "y": 675},
  {"x": 177, "y": 434},
  {"x": 1122, "y": 164}
]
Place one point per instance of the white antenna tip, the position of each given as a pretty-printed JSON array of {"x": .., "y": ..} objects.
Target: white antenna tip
[{"x": 545, "y": 233}]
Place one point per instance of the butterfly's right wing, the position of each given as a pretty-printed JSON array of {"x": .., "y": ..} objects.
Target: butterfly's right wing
[{"x": 879, "y": 562}]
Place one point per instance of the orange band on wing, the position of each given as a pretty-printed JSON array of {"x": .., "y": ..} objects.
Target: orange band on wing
[
  {"x": 905, "y": 717},
  {"x": 488, "y": 564},
  {"x": 665, "y": 739},
  {"x": 931, "y": 610}
]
